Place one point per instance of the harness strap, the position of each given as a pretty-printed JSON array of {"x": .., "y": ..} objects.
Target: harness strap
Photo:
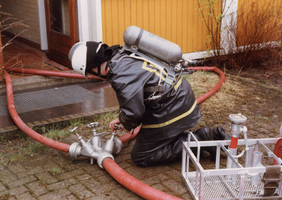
[
  {"x": 149, "y": 59},
  {"x": 139, "y": 37},
  {"x": 158, "y": 88},
  {"x": 170, "y": 77}
]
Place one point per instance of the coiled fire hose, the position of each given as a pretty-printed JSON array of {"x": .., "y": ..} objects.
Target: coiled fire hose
[{"x": 128, "y": 181}]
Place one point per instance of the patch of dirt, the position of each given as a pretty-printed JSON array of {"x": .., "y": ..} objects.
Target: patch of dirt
[{"x": 264, "y": 75}]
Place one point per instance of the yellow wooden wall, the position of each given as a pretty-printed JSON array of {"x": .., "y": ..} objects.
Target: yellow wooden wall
[{"x": 174, "y": 20}]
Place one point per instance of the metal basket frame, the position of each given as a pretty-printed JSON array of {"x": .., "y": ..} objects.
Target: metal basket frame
[{"x": 233, "y": 183}]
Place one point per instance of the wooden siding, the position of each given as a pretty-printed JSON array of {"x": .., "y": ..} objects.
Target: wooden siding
[{"x": 174, "y": 20}]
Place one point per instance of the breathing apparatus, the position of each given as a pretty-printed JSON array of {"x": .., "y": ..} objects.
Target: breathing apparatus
[{"x": 163, "y": 54}]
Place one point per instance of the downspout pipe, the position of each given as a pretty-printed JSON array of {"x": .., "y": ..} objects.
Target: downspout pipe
[{"x": 110, "y": 166}]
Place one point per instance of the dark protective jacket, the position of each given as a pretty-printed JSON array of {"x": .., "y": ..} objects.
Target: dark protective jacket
[{"x": 176, "y": 112}]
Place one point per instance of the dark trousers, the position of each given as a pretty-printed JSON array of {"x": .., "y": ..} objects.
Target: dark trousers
[{"x": 146, "y": 153}]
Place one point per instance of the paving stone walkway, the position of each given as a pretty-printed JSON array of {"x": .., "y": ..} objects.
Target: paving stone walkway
[{"x": 57, "y": 176}]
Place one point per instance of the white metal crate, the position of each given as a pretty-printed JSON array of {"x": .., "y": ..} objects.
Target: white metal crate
[{"x": 222, "y": 183}]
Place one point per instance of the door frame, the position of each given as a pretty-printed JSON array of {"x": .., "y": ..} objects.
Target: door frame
[
  {"x": 59, "y": 43},
  {"x": 87, "y": 11},
  {"x": 42, "y": 25}
]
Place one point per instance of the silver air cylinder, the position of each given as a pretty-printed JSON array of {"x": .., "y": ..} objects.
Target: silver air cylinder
[{"x": 151, "y": 44}]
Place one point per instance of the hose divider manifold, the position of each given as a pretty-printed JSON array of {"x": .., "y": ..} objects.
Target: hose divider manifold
[{"x": 95, "y": 148}]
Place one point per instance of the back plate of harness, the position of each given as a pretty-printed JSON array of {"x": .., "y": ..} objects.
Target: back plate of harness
[{"x": 161, "y": 89}]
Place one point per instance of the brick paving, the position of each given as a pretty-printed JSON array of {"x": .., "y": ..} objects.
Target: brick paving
[{"x": 35, "y": 178}]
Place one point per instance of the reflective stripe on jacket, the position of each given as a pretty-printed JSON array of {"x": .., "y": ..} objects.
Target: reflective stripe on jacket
[{"x": 175, "y": 112}]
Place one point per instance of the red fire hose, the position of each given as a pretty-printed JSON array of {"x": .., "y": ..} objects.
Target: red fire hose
[
  {"x": 79, "y": 76},
  {"x": 110, "y": 166},
  {"x": 50, "y": 73},
  {"x": 129, "y": 136},
  {"x": 134, "y": 185},
  {"x": 36, "y": 136}
]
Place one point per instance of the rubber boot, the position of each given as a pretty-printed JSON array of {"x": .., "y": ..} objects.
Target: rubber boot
[
  {"x": 219, "y": 134},
  {"x": 204, "y": 134},
  {"x": 194, "y": 149}
]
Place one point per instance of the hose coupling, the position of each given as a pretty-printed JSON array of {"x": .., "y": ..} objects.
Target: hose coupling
[
  {"x": 75, "y": 150},
  {"x": 103, "y": 156},
  {"x": 95, "y": 148}
]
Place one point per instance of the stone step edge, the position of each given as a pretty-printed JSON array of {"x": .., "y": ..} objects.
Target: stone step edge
[{"x": 11, "y": 132}]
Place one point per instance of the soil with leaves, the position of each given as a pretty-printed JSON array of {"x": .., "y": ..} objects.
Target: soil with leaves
[{"x": 266, "y": 76}]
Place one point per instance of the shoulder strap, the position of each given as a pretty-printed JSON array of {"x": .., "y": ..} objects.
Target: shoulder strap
[
  {"x": 170, "y": 72},
  {"x": 113, "y": 47}
]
